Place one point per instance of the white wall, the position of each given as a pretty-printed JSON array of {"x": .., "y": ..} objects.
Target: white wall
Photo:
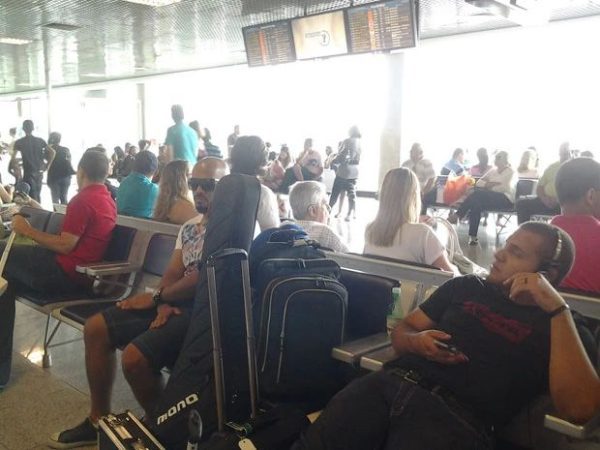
[{"x": 505, "y": 89}]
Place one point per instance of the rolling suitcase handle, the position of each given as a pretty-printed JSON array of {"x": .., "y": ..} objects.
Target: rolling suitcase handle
[{"x": 250, "y": 339}]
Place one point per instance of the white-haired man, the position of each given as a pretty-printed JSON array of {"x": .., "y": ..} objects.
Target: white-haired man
[{"x": 311, "y": 209}]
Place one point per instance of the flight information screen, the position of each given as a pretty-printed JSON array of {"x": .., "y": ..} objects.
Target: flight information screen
[
  {"x": 381, "y": 26},
  {"x": 270, "y": 43}
]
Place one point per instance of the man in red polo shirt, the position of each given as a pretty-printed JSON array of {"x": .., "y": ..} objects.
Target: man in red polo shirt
[
  {"x": 578, "y": 189},
  {"x": 49, "y": 267}
]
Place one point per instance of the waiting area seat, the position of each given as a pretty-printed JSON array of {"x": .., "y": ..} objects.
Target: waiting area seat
[
  {"x": 351, "y": 352},
  {"x": 139, "y": 249},
  {"x": 37, "y": 218},
  {"x": 156, "y": 261},
  {"x": 375, "y": 360},
  {"x": 370, "y": 299},
  {"x": 55, "y": 222},
  {"x": 369, "y": 302},
  {"x": 585, "y": 303},
  {"x": 118, "y": 249},
  {"x": 83, "y": 311},
  {"x": 589, "y": 431},
  {"x": 525, "y": 187},
  {"x": 392, "y": 268}
]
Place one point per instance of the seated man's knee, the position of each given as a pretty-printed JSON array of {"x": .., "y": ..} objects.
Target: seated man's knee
[
  {"x": 133, "y": 361},
  {"x": 95, "y": 330}
]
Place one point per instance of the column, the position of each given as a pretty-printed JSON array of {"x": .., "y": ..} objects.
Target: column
[
  {"x": 389, "y": 153},
  {"x": 141, "y": 101},
  {"x": 48, "y": 76}
]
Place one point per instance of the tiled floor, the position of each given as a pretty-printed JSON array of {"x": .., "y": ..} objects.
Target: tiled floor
[{"x": 40, "y": 401}]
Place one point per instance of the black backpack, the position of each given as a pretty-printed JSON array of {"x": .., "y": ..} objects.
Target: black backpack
[{"x": 301, "y": 308}]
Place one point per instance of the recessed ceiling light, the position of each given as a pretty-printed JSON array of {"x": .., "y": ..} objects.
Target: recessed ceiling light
[
  {"x": 14, "y": 41},
  {"x": 93, "y": 75},
  {"x": 141, "y": 68},
  {"x": 154, "y": 2},
  {"x": 24, "y": 84}
]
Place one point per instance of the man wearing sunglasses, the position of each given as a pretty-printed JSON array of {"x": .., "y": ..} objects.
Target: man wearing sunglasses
[{"x": 151, "y": 326}]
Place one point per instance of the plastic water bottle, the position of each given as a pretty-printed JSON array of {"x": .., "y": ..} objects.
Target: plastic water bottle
[{"x": 396, "y": 312}]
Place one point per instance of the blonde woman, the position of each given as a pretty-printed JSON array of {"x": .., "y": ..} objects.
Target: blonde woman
[
  {"x": 173, "y": 203},
  {"x": 396, "y": 231}
]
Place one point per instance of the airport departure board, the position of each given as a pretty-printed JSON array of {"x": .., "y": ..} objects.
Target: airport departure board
[
  {"x": 270, "y": 43},
  {"x": 381, "y": 26}
]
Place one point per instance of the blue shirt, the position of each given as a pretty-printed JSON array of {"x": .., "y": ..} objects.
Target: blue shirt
[
  {"x": 136, "y": 196},
  {"x": 184, "y": 141},
  {"x": 453, "y": 166}
]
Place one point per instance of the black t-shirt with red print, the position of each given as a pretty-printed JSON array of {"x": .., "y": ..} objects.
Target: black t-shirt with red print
[{"x": 508, "y": 347}]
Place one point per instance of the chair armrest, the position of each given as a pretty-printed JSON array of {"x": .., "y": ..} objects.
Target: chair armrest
[
  {"x": 572, "y": 429},
  {"x": 107, "y": 268},
  {"x": 352, "y": 351},
  {"x": 374, "y": 361}
]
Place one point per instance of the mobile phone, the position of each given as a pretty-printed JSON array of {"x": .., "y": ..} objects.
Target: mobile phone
[{"x": 448, "y": 347}]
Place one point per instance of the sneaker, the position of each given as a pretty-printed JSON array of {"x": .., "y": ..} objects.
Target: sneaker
[
  {"x": 473, "y": 240},
  {"x": 347, "y": 219},
  {"x": 84, "y": 434}
]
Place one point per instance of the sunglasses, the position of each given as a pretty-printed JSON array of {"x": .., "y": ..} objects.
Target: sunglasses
[{"x": 207, "y": 184}]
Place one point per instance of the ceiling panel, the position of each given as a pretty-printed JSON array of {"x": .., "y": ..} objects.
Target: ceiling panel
[{"x": 118, "y": 39}]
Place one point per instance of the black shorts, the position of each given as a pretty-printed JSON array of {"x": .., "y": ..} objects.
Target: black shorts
[{"x": 161, "y": 345}]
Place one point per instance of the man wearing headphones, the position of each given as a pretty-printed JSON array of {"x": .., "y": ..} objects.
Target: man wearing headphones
[{"x": 469, "y": 358}]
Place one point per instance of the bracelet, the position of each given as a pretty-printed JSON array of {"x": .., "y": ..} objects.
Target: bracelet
[{"x": 560, "y": 309}]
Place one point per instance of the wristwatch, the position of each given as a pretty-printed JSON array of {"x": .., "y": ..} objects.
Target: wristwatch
[
  {"x": 157, "y": 296},
  {"x": 557, "y": 311}
]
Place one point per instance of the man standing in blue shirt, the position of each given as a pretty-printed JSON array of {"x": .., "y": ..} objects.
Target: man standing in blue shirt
[
  {"x": 181, "y": 141},
  {"x": 137, "y": 193}
]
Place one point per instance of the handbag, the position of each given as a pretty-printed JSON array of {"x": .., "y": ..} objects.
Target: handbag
[{"x": 456, "y": 188}]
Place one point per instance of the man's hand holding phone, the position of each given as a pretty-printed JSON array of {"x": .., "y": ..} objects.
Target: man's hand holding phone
[{"x": 435, "y": 346}]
